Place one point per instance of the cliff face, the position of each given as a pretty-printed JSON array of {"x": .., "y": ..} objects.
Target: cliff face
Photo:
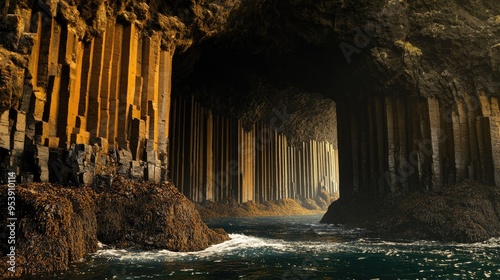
[
  {"x": 96, "y": 101},
  {"x": 93, "y": 78},
  {"x": 416, "y": 84},
  {"x": 85, "y": 94}
]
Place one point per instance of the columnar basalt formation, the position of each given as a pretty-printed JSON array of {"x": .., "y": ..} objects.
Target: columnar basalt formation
[
  {"x": 85, "y": 87},
  {"x": 213, "y": 157},
  {"x": 417, "y": 144},
  {"x": 105, "y": 100},
  {"x": 416, "y": 85}
]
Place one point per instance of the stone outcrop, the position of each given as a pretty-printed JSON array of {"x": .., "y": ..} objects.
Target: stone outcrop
[
  {"x": 58, "y": 225},
  {"x": 151, "y": 216},
  {"x": 55, "y": 226}
]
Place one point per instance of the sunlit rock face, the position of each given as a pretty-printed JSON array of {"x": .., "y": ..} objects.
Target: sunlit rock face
[
  {"x": 85, "y": 85},
  {"x": 85, "y": 95}
]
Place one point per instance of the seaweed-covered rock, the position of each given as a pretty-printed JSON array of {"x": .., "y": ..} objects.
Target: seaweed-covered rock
[
  {"x": 57, "y": 225},
  {"x": 151, "y": 215},
  {"x": 54, "y": 227},
  {"x": 466, "y": 212}
]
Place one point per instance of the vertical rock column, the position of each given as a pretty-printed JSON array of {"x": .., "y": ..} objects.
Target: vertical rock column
[
  {"x": 495, "y": 138},
  {"x": 488, "y": 132},
  {"x": 149, "y": 102},
  {"x": 42, "y": 27},
  {"x": 80, "y": 134},
  {"x": 434, "y": 119},
  {"x": 128, "y": 67},
  {"x": 114, "y": 87},
  {"x": 95, "y": 85},
  {"x": 106, "y": 75},
  {"x": 164, "y": 88},
  {"x": 70, "y": 59},
  {"x": 461, "y": 138},
  {"x": 209, "y": 185},
  {"x": 51, "y": 112},
  {"x": 74, "y": 57}
]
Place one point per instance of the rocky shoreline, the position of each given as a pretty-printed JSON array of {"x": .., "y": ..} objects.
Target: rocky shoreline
[
  {"x": 282, "y": 207},
  {"x": 57, "y": 225},
  {"x": 467, "y": 212}
]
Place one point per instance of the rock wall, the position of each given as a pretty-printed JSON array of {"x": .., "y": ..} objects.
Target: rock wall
[
  {"x": 416, "y": 84},
  {"x": 214, "y": 157},
  {"x": 86, "y": 91},
  {"x": 89, "y": 107}
]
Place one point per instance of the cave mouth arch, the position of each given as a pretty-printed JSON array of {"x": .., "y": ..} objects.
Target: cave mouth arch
[{"x": 410, "y": 117}]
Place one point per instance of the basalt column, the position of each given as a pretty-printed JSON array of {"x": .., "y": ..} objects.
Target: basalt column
[{"x": 215, "y": 158}]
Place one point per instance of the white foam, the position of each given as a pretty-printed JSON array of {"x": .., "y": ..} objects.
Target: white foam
[{"x": 239, "y": 244}]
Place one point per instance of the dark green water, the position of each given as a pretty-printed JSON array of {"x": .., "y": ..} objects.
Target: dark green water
[{"x": 297, "y": 248}]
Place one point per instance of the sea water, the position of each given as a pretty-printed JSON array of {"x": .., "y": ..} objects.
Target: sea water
[{"x": 296, "y": 248}]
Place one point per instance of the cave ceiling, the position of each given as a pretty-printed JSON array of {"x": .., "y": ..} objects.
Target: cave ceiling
[{"x": 342, "y": 48}]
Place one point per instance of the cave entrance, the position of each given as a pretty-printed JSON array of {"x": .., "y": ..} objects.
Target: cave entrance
[{"x": 219, "y": 158}]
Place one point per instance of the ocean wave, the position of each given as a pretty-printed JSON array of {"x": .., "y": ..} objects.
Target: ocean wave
[
  {"x": 239, "y": 245},
  {"x": 244, "y": 246}
]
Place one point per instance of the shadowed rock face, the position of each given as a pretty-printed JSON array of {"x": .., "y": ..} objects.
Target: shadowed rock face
[
  {"x": 348, "y": 50},
  {"x": 415, "y": 48},
  {"x": 416, "y": 84}
]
